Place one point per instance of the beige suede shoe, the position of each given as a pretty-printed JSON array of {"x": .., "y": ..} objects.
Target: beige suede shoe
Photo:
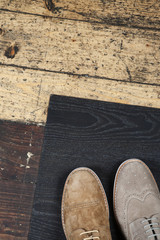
[
  {"x": 137, "y": 201},
  {"x": 85, "y": 213}
]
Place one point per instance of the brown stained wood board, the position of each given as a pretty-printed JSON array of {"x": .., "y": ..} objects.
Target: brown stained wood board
[
  {"x": 79, "y": 48},
  {"x": 15, "y": 209},
  {"x": 139, "y": 13},
  {"x": 20, "y": 149}
]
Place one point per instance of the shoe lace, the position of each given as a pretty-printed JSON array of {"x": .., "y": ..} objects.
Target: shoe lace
[
  {"x": 89, "y": 232},
  {"x": 152, "y": 227}
]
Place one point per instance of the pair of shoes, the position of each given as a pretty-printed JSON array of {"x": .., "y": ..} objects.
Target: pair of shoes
[{"x": 136, "y": 200}]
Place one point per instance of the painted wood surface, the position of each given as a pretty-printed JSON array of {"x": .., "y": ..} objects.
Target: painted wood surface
[{"x": 20, "y": 149}]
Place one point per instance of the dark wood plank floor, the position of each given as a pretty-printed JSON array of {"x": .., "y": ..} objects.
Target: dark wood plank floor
[
  {"x": 94, "y": 134},
  {"x": 20, "y": 149}
]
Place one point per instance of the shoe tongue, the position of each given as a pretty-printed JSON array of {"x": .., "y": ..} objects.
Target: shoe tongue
[
  {"x": 157, "y": 216},
  {"x": 81, "y": 234},
  {"x": 102, "y": 233},
  {"x": 138, "y": 232},
  {"x": 75, "y": 235},
  {"x": 156, "y": 231}
]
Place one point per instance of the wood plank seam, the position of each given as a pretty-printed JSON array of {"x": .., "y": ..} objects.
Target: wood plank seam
[
  {"x": 86, "y": 21},
  {"x": 132, "y": 13},
  {"x": 81, "y": 75}
]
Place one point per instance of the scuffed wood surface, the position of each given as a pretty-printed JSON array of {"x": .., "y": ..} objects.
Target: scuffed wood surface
[
  {"x": 15, "y": 210},
  {"x": 20, "y": 149},
  {"x": 131, "y": 13},
  {"x": 20, "y": 145},
  {"x": 24, "y": 93},
  {"x": 104, "y": 50},
  {"x": 80, "y": 48},
  {"x": 72, "y": 48}
]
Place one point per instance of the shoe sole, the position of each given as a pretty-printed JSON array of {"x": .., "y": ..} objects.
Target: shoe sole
[
  {"x": 116, "y": 180},
  {"x": 64, "y": 191}
]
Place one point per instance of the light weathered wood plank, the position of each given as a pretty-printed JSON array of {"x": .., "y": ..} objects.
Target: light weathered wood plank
[
  {"x": 24, "y": 94},
  {"x": 139, "y": 13},
  {"x": 80, "y": 48}
]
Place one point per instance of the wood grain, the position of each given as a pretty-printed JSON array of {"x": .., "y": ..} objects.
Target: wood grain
[
  {"x": 140, "y": 13},
  {"x": 25, "y": 93},
  {"x": 80, "y": 48},
  {"x": 104, "y": 50},
  {"x": 15, "y": 209},
  {"x": 20, "y": 149},
  {"x": 94, "y": 134}
]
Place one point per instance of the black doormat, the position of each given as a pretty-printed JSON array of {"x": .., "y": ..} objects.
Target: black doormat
[{"x": 94, "y": 134}]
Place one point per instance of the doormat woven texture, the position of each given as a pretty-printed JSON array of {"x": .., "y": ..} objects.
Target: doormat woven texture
[{"x": 94, "y": 134}]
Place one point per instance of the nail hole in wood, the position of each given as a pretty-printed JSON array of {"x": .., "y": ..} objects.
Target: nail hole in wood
[
  {"x": 51, "y": 6},
  {"x": 11, "y": 51}
]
